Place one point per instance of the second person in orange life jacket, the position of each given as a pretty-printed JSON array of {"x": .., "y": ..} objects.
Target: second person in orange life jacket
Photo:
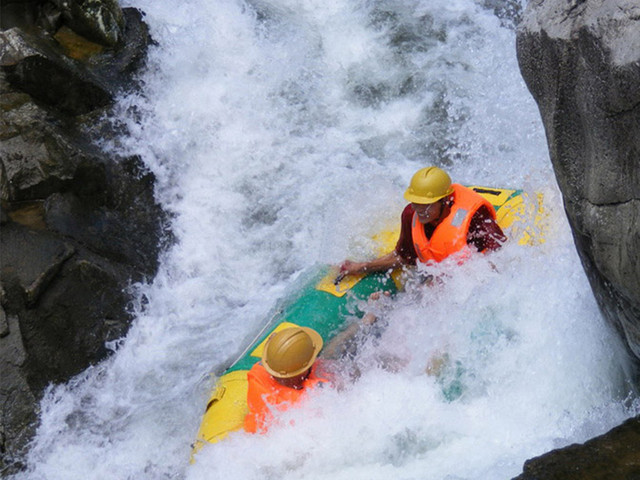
[
  {"x": 442, "y": 219},
  {"x": 288, "y": 369}
]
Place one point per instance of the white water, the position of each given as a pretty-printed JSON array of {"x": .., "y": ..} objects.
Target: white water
[{"x": 273, "y": 151}]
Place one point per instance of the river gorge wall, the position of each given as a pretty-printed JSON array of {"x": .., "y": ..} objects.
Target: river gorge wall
[
  {"x": 78, "y": 225},
  {"x": 581, "y": 62}
]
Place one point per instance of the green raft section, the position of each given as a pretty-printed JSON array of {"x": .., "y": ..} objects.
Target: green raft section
[
  {"x": 320, "y": 304},
  {"x": 324, "y": 309},
  {"x": 324, "y": 306}
]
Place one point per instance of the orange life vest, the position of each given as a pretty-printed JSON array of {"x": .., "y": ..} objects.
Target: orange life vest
[
  {"x": 265, "y": 394},
  {"x": 450, "y": 236}
]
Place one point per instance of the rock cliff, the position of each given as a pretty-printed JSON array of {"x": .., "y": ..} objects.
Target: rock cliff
[
  {"x": 581, "y": 62},
  {"x": 78, "y": 225}
]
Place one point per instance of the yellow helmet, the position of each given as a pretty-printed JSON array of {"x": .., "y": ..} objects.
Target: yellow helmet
[
  {"x": 291, "y": 351},
  {"x": 428, "y": 185}
]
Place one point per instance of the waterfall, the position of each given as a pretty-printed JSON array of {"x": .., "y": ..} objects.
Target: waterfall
[{"x": 282, "y": 135}]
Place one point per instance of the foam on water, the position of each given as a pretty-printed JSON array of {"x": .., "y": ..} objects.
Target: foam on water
[{"x": 282, "y": 134}]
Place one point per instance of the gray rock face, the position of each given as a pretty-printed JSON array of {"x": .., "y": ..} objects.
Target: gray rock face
[{"x": 581, "y": 62}]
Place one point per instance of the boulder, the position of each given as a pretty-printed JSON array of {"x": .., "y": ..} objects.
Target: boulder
[
  {"x": 67, "y": 300},
  {"x": 23, "y": 13},
  {"x": 581, "y": 62},
  {"x": 614, "y": 455},
  {"x": 36, "y": 65},
  {"x": 37, "y": 157},
  {"x": 18, "y": 405},
  {"x": 69, "y": 72},
  {"x": 101, "y": 21},
  {"x": 61, "y": 304}
]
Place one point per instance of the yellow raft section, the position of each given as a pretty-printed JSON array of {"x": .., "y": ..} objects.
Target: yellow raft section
[
  {"x": 519, "y": 215},
  {"x": 227, "y": 406}
]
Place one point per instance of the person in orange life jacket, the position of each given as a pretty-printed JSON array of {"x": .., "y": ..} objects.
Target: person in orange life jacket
[
  {"x": 441, "y": 220},
  {"x": 288, "y": 369}
]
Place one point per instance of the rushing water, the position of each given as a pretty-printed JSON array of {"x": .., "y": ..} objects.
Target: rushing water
[{"x": 282, "y": 134}]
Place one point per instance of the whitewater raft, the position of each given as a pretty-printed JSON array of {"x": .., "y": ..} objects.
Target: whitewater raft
[{"x": 324, "y": 304}]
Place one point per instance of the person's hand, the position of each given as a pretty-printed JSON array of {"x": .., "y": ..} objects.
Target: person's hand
[
  {"x": 376, "y": 295},
  {"x": 436, "y": 364},
  {"x": 352, "y": 268},
  {"x": 369, "y": 319}
]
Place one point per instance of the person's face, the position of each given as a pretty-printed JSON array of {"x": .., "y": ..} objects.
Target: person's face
[
  {"x": 296, "y": 382},
  {"x": 428, "y": 213}
]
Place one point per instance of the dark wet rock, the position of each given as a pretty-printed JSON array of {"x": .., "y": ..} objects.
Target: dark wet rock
[
  {"x": 18, "y": 404},
  {"x": 68, "y": 302},
  {"x": 4, "y": 323},
  {"x": 33, "y": 258},
  {"x": 97, "y": 212},
  {"x": 99, "y": 20},
  {"x": 614, "y": 456},
  {"x": 19, "y": 13},
  {"x": 118, "y": 67},
  {"x": 36, "y": 65},
  {"x": 52, "y": 290},
  {"x": 69, "y": 72},
  {"x": 37, "y": 156},
  {"x": 78, "y": 225}
]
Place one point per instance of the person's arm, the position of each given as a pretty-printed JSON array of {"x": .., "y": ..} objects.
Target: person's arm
[
  {"x": 382, "y": 264},
  {"x": 404, "y": 254},
  {"x": 484, "y": 233},
  {"x": 404, "y": 247}
]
